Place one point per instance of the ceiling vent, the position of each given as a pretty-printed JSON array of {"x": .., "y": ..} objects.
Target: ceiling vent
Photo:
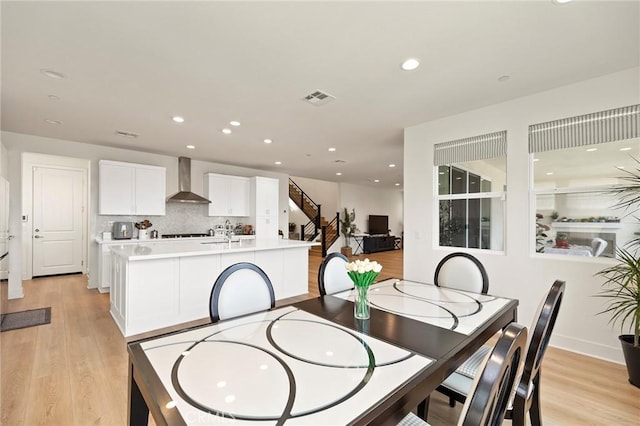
[
  {"x": 318, "y": 98},
  {"x": 126, "y": 134}
]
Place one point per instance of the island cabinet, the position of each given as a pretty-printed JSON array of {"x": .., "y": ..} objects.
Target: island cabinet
[
  {"x": 155, "y": 286},
  {"x": 131, "y": 189},
  {"x": 229, "y": 195}
]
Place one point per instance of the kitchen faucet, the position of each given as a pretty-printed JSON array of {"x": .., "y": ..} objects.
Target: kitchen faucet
[{"x": 228, "y": 228}]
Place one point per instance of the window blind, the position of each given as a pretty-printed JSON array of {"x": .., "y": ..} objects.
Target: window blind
[
  {"x": 480, "y": 147},
  {"x": 599, "y": 127}
]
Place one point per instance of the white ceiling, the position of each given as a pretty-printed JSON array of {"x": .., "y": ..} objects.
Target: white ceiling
[{"x": 133, "y": 65}]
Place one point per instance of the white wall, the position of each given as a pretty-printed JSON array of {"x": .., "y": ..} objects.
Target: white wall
[
  {"x": 17, "y": 143},
  {"x": 368, "y": 200},
  {"x": 518, "y": 273}
]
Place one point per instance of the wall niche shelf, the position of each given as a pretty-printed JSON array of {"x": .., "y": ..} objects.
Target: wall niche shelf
[{"x": 585, "y": 225}]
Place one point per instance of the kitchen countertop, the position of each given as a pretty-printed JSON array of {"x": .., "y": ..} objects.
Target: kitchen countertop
[
  {"x": 100, "y": 240},
  {"x": 157, "y": 249}
]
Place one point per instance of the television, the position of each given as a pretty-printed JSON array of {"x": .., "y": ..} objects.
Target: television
[{"x": 378, "y": 224}]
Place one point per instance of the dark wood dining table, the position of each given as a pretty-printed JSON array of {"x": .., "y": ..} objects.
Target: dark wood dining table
[{"x": 313, "y": 362}]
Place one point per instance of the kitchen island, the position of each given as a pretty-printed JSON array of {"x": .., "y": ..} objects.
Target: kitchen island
[{"x": 158, "y": 284}]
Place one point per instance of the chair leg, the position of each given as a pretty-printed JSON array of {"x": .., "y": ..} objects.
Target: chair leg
[
  {"x": 423, "y": 409},
  {"x": 452, "y": 401},
  {"x": 534, "y": 411}
]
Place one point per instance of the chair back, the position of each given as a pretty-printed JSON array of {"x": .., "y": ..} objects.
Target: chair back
[
  {"x": 242, "y": 288},
  {"x": 540, "y": 334},
  {"x": 597, "y": 246},
  {"x": 489, "y": 395},
  {"x": 332, "y": 275},
  {"x": 462, "y": 271}
]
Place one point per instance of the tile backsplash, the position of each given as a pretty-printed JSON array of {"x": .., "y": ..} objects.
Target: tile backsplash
[{"x": 180, "y": 218}]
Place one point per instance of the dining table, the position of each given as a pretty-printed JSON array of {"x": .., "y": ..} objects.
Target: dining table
[{"x": 312, "y": 362}]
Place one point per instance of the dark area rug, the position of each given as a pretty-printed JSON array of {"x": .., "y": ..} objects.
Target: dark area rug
[{"x": 23, "y": 319}]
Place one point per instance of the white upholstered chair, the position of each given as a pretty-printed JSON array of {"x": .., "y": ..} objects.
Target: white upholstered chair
[
  {"x": 461, "y": 271},
  {"x": 489, "y": 392},
  {"x": 332, "y": 275},
  {"x": 241, "y": 289},
  {"x": 597, "y": 246},
  {"x": 526, "y": 397}
]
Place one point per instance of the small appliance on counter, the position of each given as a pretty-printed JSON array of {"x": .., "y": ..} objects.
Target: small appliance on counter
[
  {"x": 122, "y": 230},
  {"x": 219, "y": 231},
  {"x": 154, "y": 234}
]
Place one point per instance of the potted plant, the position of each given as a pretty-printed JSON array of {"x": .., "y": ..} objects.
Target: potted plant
[
  {"x": 622, "y": 281},
  {"x": 346, "y": 220}
]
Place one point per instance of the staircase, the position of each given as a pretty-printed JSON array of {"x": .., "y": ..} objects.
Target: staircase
[{"x": 317, "y": 225}]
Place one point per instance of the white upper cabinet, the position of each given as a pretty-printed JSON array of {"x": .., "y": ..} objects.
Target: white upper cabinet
[
  {"x": 131, "y": 189},
  {"x": 266, "y": 196},
  {"x": 229, "y": 195}
]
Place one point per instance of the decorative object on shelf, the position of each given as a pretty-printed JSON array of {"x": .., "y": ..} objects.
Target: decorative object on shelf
[
  {"x": 562, "y": 240},
  {"x": 541, "y": 235},
  {"x": 621, "y": 284},
  {"x": 363, "y": 273},
  {"x": 345, "y": 228},
  {"x": 142, "y": 227},
  {"x": 292, "y": 227}
]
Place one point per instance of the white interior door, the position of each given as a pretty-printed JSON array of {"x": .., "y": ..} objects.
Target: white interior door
[
  {"x": 57, "y": 221},
  {"x": 4, "y": 229}
]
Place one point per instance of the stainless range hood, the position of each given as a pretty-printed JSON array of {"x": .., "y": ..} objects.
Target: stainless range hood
[{"x": 184, "y": 194}]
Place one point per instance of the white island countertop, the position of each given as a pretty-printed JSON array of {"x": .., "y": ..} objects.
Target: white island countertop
[{"x": 147, "y": 250}]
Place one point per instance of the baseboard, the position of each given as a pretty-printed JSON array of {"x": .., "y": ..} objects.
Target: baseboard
[
  {"x": 104, "y": 289},
  {"x": 588, "y": 348}
]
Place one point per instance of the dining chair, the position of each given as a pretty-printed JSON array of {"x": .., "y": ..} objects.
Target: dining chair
[
  {"x": 597, "y": 246},
  {"x": 526, "y": 398},
  {"x": 242, "y": 288},
  {"x": 489, "y": 392},
  {"x": 462, "y": 271},
  {"x": 332, "y": 275}
]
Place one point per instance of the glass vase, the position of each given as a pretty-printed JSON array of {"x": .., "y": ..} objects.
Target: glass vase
[{"x": 361, "y": 302}]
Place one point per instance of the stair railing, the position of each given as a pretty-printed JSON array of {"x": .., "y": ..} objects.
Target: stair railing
[
  {"x": 309, "y": 208},
  {"x": 330, "y": 234}
]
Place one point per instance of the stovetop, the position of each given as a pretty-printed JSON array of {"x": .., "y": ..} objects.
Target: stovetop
[{"x": 184, "y": 235}]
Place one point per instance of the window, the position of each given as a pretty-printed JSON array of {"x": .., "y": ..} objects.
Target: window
[
  {"x": 575, "y": 163},
  {"x": 471, "y": 177}
]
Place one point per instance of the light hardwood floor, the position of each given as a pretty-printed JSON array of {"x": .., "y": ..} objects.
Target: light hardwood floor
[{"x": 74, "y": 370}]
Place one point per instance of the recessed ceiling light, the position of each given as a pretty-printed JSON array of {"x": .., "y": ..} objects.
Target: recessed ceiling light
[
  {"x": 392, "y": 165},
  {"x": 278, "y": 162},
  {"x": 234, "y": 123},
  {"x": 592, "y": 149},
  {"x": 410, "y": 64},
  {"x": 191, "y": 146},
  {"x": 268, "y": 141},
  {"x": 549, "y": 173},
  {"x": 504, "y": 78},
  {"x": 57, "y": 98},
  {"x": 332, "y": 149},
  {"x": 226, "y": 131},
  {"x": 536, "y": 159},
  {"x": 376, "y": 180},
  {"x": 338, "y": 174},
  {"x": 48, "y": 120},
  {"x": 52, "y": 74},
  {"x": 397, "y": 184},
  {"x": 625, "y": 149},
  {"x": 619, "y": 167},
  {"x": 178, "y": 119},
  {"x": 560, "y": 1}
]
